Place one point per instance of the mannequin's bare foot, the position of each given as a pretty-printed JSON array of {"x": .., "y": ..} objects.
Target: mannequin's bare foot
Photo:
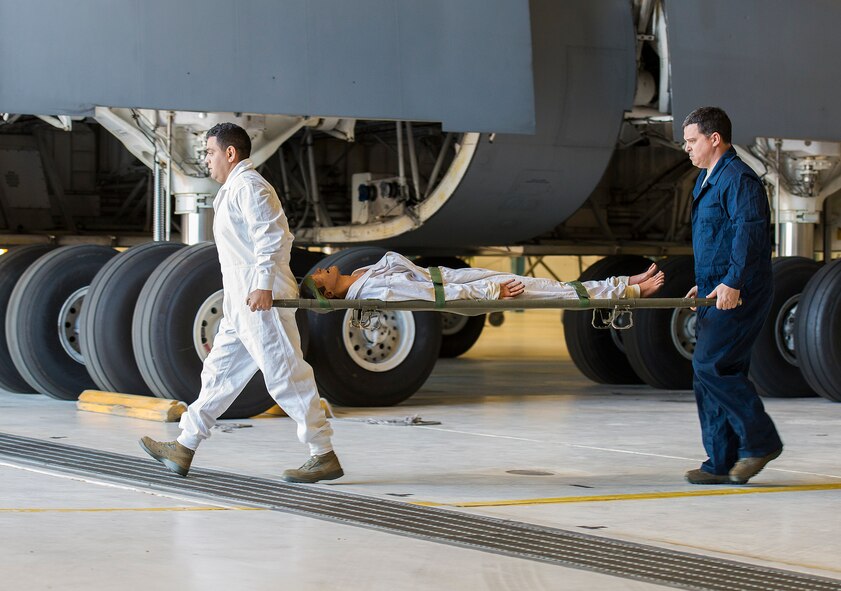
[
  {"x": 652, "y": 285},
  {"x": 634, "y": 279}
]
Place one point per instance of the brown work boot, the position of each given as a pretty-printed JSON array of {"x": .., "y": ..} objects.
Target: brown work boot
[
  {"x": 699, "y": 476},
  {"x": 747, "y": 468},
  {"x": 171, "y": 454},
  {"x": 323, "y": 467}
]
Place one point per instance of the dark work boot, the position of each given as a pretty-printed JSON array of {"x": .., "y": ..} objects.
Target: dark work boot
[
  {"x": 171, "y": 454},
  {"x": 323, "y": 467},
  {"x": 747, "y": 468},
  {"x": 699, "y": 476}
]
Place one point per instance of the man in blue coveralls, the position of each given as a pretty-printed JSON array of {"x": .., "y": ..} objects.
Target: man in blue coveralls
[{"x": 731, "y": 238}]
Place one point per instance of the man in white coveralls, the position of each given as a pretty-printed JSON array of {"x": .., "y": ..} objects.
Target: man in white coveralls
[
  {"x": 254, "y": 243},
  {"x": 395, "y": 278}
]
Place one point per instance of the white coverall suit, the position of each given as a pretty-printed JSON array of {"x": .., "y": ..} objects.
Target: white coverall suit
[
  {"x": 396, "y": 278},
  {"x": 254, "y": 243}
]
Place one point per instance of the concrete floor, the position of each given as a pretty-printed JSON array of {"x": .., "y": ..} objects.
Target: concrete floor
[{"x": 514, "y": 403}]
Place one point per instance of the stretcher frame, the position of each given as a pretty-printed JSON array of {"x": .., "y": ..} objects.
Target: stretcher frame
[{"x": 607, "y": 313}]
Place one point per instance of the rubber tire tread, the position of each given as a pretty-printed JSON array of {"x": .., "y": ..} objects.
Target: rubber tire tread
[
  {"x": 340, "y": 379},
  {"x": 818, "y": 332},
  {"x": 13, "y": 264},
  {"x": 594, "y": 351},
  {"x": 453, "y": 345},
  {"x": 300, "y": 262},
  {"x": 649, "y": 345},
  {"x": 770, "y": 372},
  {"x": 162, "y": 330},
  {"x": 31, "y": 319},
  {"x": 106, "y": 321}
]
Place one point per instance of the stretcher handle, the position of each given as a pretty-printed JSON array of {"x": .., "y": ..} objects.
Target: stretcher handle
[{"x": 484, "y": 306}]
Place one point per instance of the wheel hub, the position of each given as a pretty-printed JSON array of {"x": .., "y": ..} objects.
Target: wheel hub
[
  {"x": 206, "y": 324},
  {"x": 453, "y": 323},
  {"x": 784, "y": 330},
  {"x": 384, "y": 344},
  {"x": 683, "y": 331},
  {"x": 68, "y": 324}
]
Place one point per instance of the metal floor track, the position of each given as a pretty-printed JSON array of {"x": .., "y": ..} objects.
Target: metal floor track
[{"x": 510, "y": 538}]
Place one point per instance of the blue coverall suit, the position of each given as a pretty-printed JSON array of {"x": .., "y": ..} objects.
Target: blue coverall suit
[{"x": 731, "y": 238}]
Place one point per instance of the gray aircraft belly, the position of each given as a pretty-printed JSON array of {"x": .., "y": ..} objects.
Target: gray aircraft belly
[
  {"x": 521, "y": 186},
  {"x": 465, "y": 63},
  {"x": 771, "y": 64}
]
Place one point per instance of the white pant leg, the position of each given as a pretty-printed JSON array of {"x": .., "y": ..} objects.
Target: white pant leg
[
  {"x": 538, "y": 288},
  {"x": 227, "y": 370},
  {"x": 275, "y": 344},
  {"x": 608, "y": 289}
]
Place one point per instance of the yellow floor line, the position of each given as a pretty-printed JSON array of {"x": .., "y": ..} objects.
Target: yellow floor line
[
  {"x": 711, "y": 492},
  {"x": 118, "y": 509}
]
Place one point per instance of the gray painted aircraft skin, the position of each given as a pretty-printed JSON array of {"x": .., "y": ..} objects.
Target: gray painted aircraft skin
[{"x": 565, "y": 71}]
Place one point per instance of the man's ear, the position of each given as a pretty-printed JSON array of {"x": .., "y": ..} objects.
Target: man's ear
[
  {"x": 715, "y": 138},
  {"x": 328, "y": 294},
  {"x": 231, "y": 153}
]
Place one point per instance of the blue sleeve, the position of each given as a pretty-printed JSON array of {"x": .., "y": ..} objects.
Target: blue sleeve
[{"x": 747, "y": 207}]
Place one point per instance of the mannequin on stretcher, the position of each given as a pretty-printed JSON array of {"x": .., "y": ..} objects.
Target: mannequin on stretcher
[{"x": 396, "y": 278}]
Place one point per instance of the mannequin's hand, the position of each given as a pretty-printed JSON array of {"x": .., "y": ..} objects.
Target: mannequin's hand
[{"x": 511, "y": 289}]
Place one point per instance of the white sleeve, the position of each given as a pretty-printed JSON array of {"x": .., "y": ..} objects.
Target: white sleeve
[
  {"x": 261, "y": 211},
  {"x": 404, "y": 286},
  {"x": 475, "y": 290}
]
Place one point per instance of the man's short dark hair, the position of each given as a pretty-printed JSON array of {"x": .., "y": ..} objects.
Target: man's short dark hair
[
  {"x": 710, "y": 120},
  {"x": 231, "y": 134}
]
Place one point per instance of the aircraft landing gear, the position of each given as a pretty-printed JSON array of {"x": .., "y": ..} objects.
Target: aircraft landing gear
[
  {"x": 106, "y": 322},
  {"x": 818, "y": 332},
  {"x": 379, "y": 365},
  {"x": 458, "y": 332},
  {"x": 774, "y": 367},
  {"x": 13, "y": 264},
  {"x": 600, "y": 354},
  {"x": 42, "y": 319},
  {"x": 660, "y": 346},
  {"x": 164, "y": 335}
]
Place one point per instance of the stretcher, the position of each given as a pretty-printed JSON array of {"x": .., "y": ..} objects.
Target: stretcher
[{"x": 607, "y": 313}]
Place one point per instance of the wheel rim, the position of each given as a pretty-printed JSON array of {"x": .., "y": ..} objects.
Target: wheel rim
[
  {"x": 206, "y": 324},
  {"x": 683, "y": 331},
  {"x": 784, "y": 330},
  {"x": 452, "y": 323},
  {"x": 68, "y": 324},
  {"x": 384, "y": 345}
]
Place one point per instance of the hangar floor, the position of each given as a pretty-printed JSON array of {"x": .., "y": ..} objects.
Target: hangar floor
[{"x": 523, "y": 439}]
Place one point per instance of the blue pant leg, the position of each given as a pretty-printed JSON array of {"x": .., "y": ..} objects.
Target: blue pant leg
[
  {"x": 723, "y": 391},
  {"x": 720, "y": 441}
]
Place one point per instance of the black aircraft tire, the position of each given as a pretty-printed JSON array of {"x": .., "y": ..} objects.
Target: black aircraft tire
[
  {"x": 652, "y": 344},
  {"x": 162, "y": 330},
  {"x": 818, "y": 332},
  {"x": 458, "y": 332},
  {"x": 300, "y": 263},
  {"x": 13, "y": 264},
  {"x": 106, "y": 322},
  {"x": 37, "y": 303},
  {"x": 302, "y": 260},
  {"x": 596, "y": 353},
  {"x": 345, "y": 378},
  {"x": 774, "y": 365}
]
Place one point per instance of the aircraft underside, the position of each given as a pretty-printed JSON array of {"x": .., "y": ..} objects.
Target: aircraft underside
[{"x": 565, "y": 142}]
